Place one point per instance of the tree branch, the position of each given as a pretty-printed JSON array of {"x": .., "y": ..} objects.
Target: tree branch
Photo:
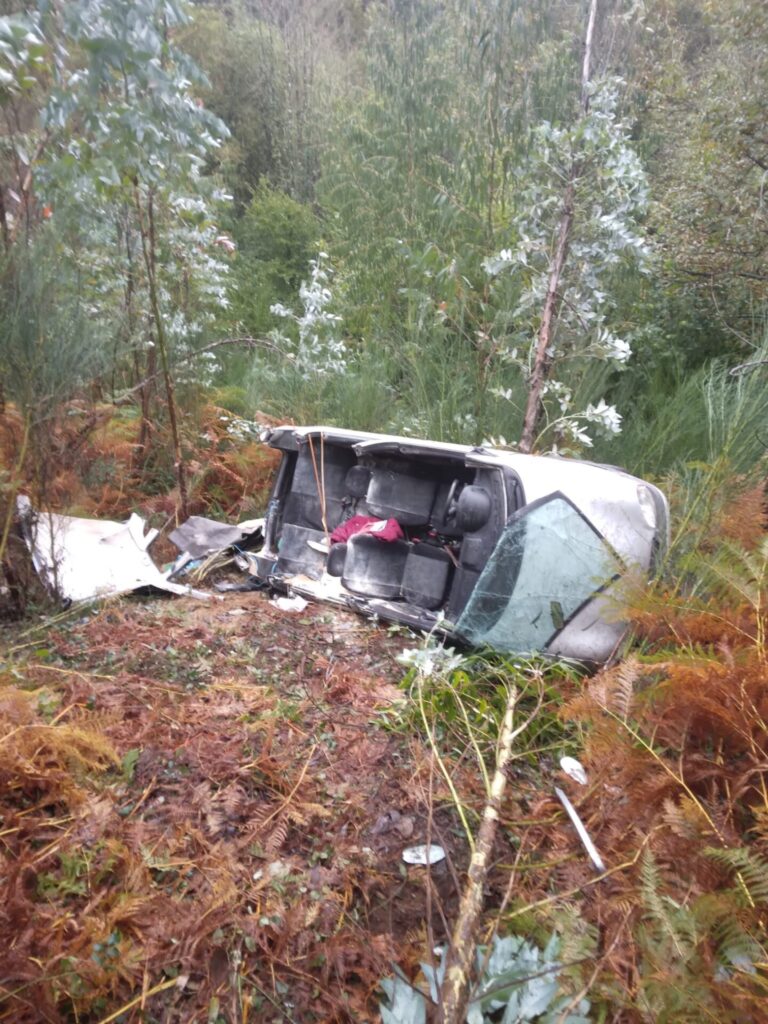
[
  {"x": 245, "y": 340},
  {"x": 455, "y": 992}
]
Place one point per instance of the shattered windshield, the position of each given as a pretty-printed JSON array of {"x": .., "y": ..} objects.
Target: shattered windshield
[{"x": 549, "y": 560}]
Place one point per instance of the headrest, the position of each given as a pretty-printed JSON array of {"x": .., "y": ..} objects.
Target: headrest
[
  {"x": 334, "y": 565},
  {"x": 473, "y": 509}
]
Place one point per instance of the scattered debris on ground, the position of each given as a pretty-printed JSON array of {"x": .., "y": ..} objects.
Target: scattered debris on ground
[{"x": 83, "y": 559}]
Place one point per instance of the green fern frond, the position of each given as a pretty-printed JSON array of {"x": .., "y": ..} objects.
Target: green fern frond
[
  {"x": 743, "y": 573},
  {"x": 736, "y": 948},
  {"x": 674, "y": 924},
  {"x": 750, "y": 869}
]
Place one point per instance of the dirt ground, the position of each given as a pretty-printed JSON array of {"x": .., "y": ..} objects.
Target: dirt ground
[{"x": 204, "y": 807}]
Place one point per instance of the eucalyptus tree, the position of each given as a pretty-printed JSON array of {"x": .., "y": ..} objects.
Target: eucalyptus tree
[
  {"x": 582, "y": 196},
  {"x": 442, "y": 158},
  {"x": 119, "y": 161}
]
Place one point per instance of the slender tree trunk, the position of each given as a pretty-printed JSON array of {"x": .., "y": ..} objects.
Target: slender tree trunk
[
  {"x": 147, "y": 232},
  {"x": 147, "y": 386},
  {"x": 542, "y": 361},
  {"x": 458, "y": 973}
]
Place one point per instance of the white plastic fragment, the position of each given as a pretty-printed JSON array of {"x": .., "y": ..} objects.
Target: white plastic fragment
[
  {"x": 321, "y": 546},
  {"x": 574, "y": 769},
  {"x": 432, "y": 854},
  {"x": 85, "y": 559},
  {"x": 583, "y": 835},
  {"x": 290, "y": 604}
]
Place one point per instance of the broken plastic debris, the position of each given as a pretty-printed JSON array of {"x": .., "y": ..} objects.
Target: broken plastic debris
[
  {"x": 290, "y": 604},
  {"x": 226, "y": 586},
  {"x": 432, "y": 854},
  {"x": 574, "y": 769},
  {"x": 583, "y": 835},
  {"x": 278, "y": 869},
  {"x": 322, "y": 546},
  {"x": 198, "y": 536},
  {"x": 248, "y": 561},
  {"x": 82, "y": 559}
]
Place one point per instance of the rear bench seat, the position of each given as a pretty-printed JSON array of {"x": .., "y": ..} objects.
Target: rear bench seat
[{"x": 418, "y": 573}]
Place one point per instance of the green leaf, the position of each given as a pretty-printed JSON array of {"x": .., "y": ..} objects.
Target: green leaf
[
  {"x": 406, "y": 1004},
  {"x": 130, "y": 759}
]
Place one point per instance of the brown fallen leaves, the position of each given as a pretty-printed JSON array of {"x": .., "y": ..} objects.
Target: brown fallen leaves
[{"x": 188, "y": 801}]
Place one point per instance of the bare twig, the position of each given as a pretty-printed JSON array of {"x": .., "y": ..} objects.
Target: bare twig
[
  {"x": 735, "y": 371},
  {"x": 456, "y": 986},
  {"x": 245, "y": 340}
]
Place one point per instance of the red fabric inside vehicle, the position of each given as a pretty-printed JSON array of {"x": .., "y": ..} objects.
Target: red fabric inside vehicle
[{"x": 383, "y": 529}]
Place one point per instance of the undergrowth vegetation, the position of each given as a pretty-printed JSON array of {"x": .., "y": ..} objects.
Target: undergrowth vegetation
[
  {"x": 674, "y": 743},
  {"x": 175, "y": 819}
]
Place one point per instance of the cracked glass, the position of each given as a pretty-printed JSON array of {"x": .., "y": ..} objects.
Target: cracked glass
[{"x": 547, "y": 563}]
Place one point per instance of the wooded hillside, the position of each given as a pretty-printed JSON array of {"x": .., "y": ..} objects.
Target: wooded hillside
[{"x": 541, "y": 223}]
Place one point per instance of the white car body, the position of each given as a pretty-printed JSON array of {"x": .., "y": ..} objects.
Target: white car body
[{"x": 522, "y": 553}]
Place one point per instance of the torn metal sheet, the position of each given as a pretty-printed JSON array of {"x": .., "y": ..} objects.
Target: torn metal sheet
[
  {"x": 198, "y": 536},
  {"x": 82, "y": 559}
]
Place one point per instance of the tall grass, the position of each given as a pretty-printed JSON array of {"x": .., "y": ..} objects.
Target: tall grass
[{"x": 697, "y": 416}]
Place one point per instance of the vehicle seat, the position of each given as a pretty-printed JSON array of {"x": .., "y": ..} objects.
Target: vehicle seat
[
  {"x": 294, "y": 553},
  {"x": 438, "y": 522},
  {"x": 374, "y": 568},
  {"x": 426, "y": 575},
  {"x": 329, "y": 469},
  {"x": 406, "y": 497},
  {"x": 356, "y": 484},
  {"x": 473, "y": 509}
]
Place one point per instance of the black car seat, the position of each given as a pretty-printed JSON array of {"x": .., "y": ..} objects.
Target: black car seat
[
  {"x": 374, "y": 568},
  {"x": 400, "y": 494},
  {"x": 356, "y": 484},
  {"x": 321, "y": 471},
  {"x": 426, "y": 575}
]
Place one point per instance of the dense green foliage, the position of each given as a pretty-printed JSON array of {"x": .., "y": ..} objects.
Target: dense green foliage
[{"x": 427, "y": 149}]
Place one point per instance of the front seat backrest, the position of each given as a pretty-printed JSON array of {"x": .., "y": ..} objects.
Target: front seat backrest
[
  {"x": 406, "y": 497},
  {"x": 473, "y": 509}
]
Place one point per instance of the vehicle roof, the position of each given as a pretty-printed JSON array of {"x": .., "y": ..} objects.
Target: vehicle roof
[{"x": 353, "y": 437}]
